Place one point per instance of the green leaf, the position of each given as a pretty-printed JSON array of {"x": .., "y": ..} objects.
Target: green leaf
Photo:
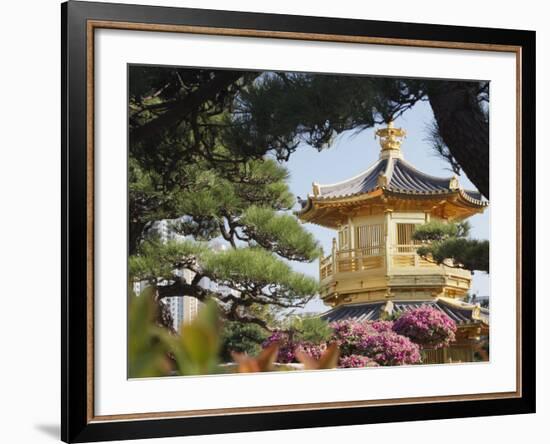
[
  {"x": 197, "y": 346},
  {"x": 147, "y": 353}
]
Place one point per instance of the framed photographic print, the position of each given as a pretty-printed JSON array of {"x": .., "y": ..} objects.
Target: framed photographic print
[{"x": 277, "y": 221}]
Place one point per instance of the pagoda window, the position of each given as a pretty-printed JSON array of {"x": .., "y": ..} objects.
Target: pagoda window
[
  {"x": 369, "y": 239},
  {"x": 344, "y": 238},
  {"x": 405, "y": 241}
]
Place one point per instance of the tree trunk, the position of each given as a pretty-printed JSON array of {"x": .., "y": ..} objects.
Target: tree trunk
[
  {"x": 182, "y": 288},
  {"x": 464, "y": 128},
  {"x": 135, "y": 233}
]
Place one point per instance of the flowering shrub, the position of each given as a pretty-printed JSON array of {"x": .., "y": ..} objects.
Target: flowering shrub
[
  {"x": 372, "y": 343},
  {"x": 427, "y": 327},
  {"x": 349, "y": 335},
  {"x": 389, "y": 348},
  {"x": 288, "y": 347},
  {"x": 382, "y": 326},
  {"x": 356, "y": 361}
]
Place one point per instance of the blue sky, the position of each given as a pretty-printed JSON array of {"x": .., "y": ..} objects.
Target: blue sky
[{"x": 352, "y": 153}]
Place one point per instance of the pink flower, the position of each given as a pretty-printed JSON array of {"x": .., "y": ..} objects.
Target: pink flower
[
  {"x": 374, "y": 342},
  {"x": 427, "y": 327},
  {"x": 288, "y": 347},
  {"x": 389, "y": 348},
  {"x": 356, "y": 361},
  {"x": 349, "y": 334},
  {"x": 382, "y": 326}
]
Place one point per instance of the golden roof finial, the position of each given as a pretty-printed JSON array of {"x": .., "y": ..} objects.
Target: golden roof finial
[{"x": 390, "y": 137}]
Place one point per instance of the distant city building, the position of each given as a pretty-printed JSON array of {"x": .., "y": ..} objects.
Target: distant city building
[
  {"x": 192, "y": 306},
  {"x": 138, "y": 287},
  {"x": 165, "y": 231},
  {"x": 175, "y": 305}
]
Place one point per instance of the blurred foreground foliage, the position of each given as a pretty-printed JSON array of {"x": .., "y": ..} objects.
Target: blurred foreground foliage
[
  {"x": 148, "y": 351},
  {"x": 196, "y": 348},
  {"x": 205, "y": 346},
  {"x": 154, "y": 351}
]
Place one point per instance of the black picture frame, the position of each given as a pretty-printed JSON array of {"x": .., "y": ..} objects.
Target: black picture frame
[{"x": 76, "y": 423}]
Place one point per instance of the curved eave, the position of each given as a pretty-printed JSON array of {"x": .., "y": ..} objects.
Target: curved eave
[
  {"x": 310, "y": 212},
  {"x": 473, "y": 201},
  {"x": 460, "y": 195},
  {"x": 314, "y": 204}
]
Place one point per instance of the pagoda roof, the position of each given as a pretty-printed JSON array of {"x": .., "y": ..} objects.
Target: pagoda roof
[
  {"x": 391, "y": 183},
  {"x": 362, "y": 183},
  {"x": 395, "y": 175},
  {"x": 462, "y": 313}
]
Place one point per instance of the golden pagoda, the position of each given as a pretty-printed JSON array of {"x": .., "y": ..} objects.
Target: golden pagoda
[{"x": 373, "y": 270}]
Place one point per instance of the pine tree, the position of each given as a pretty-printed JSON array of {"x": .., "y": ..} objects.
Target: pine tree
[
  {"x": 450, "y": 241},
  {"x": 247, "y": 205}
]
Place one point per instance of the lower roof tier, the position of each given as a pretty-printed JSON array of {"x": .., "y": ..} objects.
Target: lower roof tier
[{"x": 461, "y": 312}]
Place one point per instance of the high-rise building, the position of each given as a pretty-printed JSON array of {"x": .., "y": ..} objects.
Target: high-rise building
[
  {"x": 165, "y": 231},
  {"x": 191, "y": 309},
  {"x": 175, "y": 305}
]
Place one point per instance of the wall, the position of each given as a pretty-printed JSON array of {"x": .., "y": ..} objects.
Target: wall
[{"x": 29, "y": 226}]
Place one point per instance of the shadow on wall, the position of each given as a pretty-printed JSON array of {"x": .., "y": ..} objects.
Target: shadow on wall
[{"x": 51, "y": 430}]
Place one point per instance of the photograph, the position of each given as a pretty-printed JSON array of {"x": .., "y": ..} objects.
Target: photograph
[
  {"x": 277, "y": 222},
  {"x": 283, "y": 221}
]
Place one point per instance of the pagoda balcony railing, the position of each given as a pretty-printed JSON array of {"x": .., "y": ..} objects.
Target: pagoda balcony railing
[
  {"x": 405, "y": 248},
  {"x": 326, "y": 267},
  {"x": 349, "y": 260},
  {"x": 369, "y": 258},
  {"x": 404, "y": 255}
]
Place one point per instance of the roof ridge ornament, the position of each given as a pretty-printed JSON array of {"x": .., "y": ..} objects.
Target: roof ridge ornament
[
  {"x": 390, "y": 137},
  {"x": 453, "y": 183},
  {"x": 316, "y": 189},
  {"x": 382, "y": 180}
]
